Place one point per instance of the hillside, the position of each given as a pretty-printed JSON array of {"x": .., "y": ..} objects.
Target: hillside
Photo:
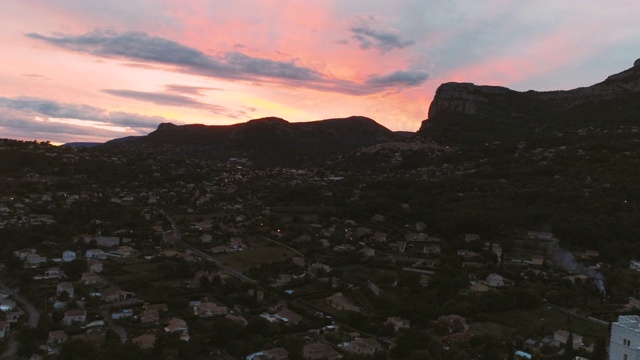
[{"x": 270, "y": 140}]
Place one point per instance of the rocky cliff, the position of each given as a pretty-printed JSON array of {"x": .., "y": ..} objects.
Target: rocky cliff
[{"x": 455, "y": 104}]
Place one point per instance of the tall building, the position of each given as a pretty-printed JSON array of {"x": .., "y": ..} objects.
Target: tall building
[{"x": 624, "y": 343}]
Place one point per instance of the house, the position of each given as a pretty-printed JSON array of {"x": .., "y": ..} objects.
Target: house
[
  {"x": 95, "y": 254},
  {"x": 56, "y": 338},
  {"x": 114, "y": 294},
  {"x": 432, "y": 249},
  {"x": 471, "y": 237},
  {"x": 65, "y": 286},
  {"x": 398, "y": 323},
  {"x": 537, "y": 260},
  {"x": 282, "y": 279},
  {"x": 368, "y": 252},
  {"x": 146, "y": 341},
  {"x": 562, "y": 336},
  {"x": 68, "y": 255},
  {"x": 89, "y": 278},
  {"x": 398, "y": 246},
  {"x": 634, "y": 265},
  {"x": 53, "y": 273},
  {"x": 541, "y": 236},
  {"x": 106, "y": 241},
  {"x": 178, "y": 326},
  {"x": 207, "y": 309},
  {"x": 339, "y": 302},
  {"x": 238, "y": 319},
  {"x": 74, "y": 316},
  {"x": 298, "y": 261},
  {"x": 126, "y": 251},
  {"x": 477, "y": 287},
  {"x": 23, "y": 253},
  {"x": 276, "y": 354},
  {"x": 236, "y": 243},
  {"x": 365, "y": 347},
  {"x": 319, "y": 351},
  {"x": 35, "y": 259},
  {"x": 5, "y": 326},
  {"x": 495, "y": 280},
  {"x": 95, "y": 266},
  {"x": 455, "y": 327},
  {"x": 14, "y": 315},
  {"x": 162, "y": 307},
  {"x": 7, "y": 305},
  {"x": 149, "y": 316},
  {"x": 122, "y": 314},
  {"x": 315, "y": 267},
  {"x": 289, "y": 317}
]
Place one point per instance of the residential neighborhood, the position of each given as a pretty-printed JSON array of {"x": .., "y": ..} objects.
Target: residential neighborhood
[{"x": 222, "y": 260}]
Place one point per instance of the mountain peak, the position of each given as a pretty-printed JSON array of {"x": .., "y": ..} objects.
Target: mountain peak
[
  {"x": 271, "y": 120},
  {"x": 166, "y": 126}
]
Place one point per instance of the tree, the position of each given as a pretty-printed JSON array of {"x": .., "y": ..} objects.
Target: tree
[
  {"x": 600, "y": 349},
  {"x": 568, "y": 348}
]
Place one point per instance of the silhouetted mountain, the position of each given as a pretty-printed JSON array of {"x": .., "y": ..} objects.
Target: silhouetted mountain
[
  {"x": 464, "y": 113},
  {"x": 82, "y": 144},
  {"x": 271, "y": 139}
]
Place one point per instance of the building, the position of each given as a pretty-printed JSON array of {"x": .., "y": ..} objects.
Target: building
[
  {"x": 624, "y": 343},
  {"x": 319, "y": 351},
  {"x": 398, "y": 323},
  {"x": 339, "y": 302},
  {"x": 74, "y": 316},
  {"x": 146, "y": 341},
  {"x": 206, "y": 309},
  {"x": 366, "y": 347},
  {"x": 56, "y": 338},
  {"x": 65, "y": 286},
  {"x": 68, "y": 256},
  {"x": 562, "y": 336}
]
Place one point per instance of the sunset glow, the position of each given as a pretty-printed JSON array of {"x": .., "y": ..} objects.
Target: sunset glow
[{"x": 94, "y": 71}]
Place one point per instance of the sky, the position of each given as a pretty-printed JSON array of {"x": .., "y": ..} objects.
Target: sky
[{"x": 74, "y": 70}]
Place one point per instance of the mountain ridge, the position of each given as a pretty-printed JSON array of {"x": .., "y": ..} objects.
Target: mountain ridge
[{"x": 469, "y": 108}]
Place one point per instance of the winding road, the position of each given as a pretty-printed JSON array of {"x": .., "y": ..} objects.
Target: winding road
[{"x": 34, "y": 318}]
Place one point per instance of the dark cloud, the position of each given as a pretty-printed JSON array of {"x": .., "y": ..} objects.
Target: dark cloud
[
  {"x": 44, "y": 108},
  {"x": 153, "y": 51},
  {"x": 166, "y": 99},
  {"x": 187, "y": 89},
  {"x": 142, "y": 47},
  {"x": 370, "y": 34},
  {"x": 19, "y": 124},
  {"x": 398, "y": 79},
  {"x": 36, "y": 77}
]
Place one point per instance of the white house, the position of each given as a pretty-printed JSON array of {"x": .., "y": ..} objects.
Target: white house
[
  {"x": 495, "y": 280},
  {"x": 65, "y": 286},
  {"x": 624, "y": 342},
  {"x": 68, "y": 255},
  {"x": 95, "y": 254}
]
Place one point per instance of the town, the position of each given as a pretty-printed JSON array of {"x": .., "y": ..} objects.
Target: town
[{"x": 163, "y": 256}]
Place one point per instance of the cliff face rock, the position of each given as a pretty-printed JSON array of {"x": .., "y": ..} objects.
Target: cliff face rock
[{"x": 457, "y": 104}]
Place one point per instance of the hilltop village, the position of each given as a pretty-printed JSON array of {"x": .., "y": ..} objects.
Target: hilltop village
[{"x": 157, "y": 255}]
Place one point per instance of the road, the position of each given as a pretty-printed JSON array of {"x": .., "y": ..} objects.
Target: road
[
  {"x": 34, "y": 318},
  {"x": 122, "y": 332},
  {"x": 231, "y": 271},
  {"x": 178, "y": 239}
]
